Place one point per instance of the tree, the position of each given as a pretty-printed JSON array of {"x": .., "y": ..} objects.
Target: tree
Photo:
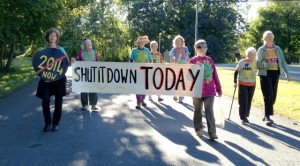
[
  {"x": 217, "y": 23},
  {"x": 21, "y": 24},
  {"x": 282, "y": 18}
]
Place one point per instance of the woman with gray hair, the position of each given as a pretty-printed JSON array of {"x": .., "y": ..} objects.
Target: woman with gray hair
[
  {"x": 210, "y": 88},
  {"x": 271, "y": 63},
  {"x": 246, "y": 73},
  {"x": 87, "y": 54}
]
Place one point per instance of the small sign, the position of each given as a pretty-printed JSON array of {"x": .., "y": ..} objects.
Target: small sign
[{"x": 50, "y": 64}]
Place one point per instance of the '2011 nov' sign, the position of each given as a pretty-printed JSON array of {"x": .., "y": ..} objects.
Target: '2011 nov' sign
[
  {"x": 50, "y": 64},
  {"x": 137, "y": 78}
]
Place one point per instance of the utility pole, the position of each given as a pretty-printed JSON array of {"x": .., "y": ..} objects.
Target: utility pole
[
  {"x": 196, "y": 21},
  {"x": 159, "y": 42}
]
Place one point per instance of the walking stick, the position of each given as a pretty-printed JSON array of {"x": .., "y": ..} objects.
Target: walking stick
[{"x": 231, "y": 103}]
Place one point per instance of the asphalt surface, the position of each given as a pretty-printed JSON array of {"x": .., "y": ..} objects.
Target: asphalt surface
[
  {"x": 160, "y": 134},
  {"x": 294, "y": 70}
]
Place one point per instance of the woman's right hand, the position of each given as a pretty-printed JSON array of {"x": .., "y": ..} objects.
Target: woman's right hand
[
  {"x": 264, "y": 64},
  {"x": 235, "y": 85},
  {"x": 73, "y": 60}
]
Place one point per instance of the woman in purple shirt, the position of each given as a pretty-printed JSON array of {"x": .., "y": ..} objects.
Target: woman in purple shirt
[{"x": 211, "y": 86}]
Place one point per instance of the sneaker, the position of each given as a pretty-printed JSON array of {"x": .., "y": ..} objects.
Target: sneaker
[
  {"x": 213, "y": 136},
  {"x": 245, "y": 121},
  {"x": 144, "y": 104},
  {"x": 54, "y": 128},
  {"x": 46, "y": 128},
  {"x": 199, "y": 133},
  {"x": 94, "y": 108},
  {"x": 84, "y": 108},
  {"x": 138, "y": 105},
  {"x": 175, "y": 98},
  {"x": 268, "y": 120},
  {"x": 160, "y": 99}
]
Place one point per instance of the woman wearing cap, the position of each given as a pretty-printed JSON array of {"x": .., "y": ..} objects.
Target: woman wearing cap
[
  {"x": 271, "y": 64},
  {"x": 87, "y": 54},
  {"x": 141, "y": 54},
  {"x": 211, "y": 85}
]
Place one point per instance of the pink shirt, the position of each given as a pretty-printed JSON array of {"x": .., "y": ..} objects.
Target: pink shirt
[{"x": 211, "y": 82}]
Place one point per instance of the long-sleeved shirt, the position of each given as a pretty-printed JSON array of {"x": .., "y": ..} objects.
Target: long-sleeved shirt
[{"x": 211, "y": 82}]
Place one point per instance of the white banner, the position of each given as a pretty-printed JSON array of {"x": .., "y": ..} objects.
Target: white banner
[{"x": 137, "y": 78}]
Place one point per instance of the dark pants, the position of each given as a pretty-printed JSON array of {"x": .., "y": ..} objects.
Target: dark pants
[
  {"x": 269, "y": 85},
  {"x": 245, "y": 98},
  {"x": 57, "y": 110},
  {"x": 89, "y": 99},
  {"x": 44, "y": 91}
]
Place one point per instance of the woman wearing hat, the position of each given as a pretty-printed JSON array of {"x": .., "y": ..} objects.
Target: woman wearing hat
[{"x": 141, "y": 54}]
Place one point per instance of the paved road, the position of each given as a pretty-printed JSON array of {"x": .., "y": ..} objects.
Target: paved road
[
  {"x": 294, "y": 70},
  {"x": 161, "y": 134}
]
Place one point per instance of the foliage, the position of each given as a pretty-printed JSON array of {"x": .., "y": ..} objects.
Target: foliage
[
  {"x": 174, "y": 17},
  {"x": 23, "y": 23},
  {"x": 20, "y": 24},
  {"x": 283, "y": 20},
  {"x": 21, "y": 73}
]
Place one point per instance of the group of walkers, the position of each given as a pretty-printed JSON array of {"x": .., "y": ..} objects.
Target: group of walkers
[{"x": 268, "y": 63}]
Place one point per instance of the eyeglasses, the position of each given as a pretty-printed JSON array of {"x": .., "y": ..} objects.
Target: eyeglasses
[{"x": 202, "y": 46}]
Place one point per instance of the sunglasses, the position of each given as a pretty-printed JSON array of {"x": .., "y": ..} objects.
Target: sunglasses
[{"x": 203, "y": 46}]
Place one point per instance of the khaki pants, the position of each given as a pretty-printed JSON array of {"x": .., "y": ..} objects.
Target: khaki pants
[{"x": 209, "y": 113}]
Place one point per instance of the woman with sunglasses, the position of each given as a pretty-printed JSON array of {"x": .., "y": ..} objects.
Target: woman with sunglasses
[{"x": 211, "y": 86}]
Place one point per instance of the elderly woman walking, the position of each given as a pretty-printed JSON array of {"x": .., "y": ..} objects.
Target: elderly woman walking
[
  {"x": 210, "y": 88},
  {"x": 87, "y": 54},
  {"x": 271, "y": 63}
]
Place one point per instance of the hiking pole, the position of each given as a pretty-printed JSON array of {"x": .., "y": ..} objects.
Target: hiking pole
[{"x": 231, "y": 103}]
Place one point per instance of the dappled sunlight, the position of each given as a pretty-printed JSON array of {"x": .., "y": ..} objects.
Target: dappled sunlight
[
  {"x": 3, "y": 118},
  {"x": 80, "y": 158},
  {"x": 27, "y": 115}
]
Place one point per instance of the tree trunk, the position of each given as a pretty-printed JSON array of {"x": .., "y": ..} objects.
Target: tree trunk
[
  {"x": 10, "y": 57},
  {"x": 1, "y": 57}
]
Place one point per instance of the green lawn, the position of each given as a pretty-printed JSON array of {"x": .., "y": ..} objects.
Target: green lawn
[
  {"x": 288, "y": 94},
  {"x": 21, "y": 73}
]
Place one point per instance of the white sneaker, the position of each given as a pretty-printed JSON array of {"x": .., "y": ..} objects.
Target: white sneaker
[
  {"x": 94, "y": 108},
  {"x": 199, "y": 133},
  {"x": 84, "y": 108},
  {"x": 175, "y": 98}
]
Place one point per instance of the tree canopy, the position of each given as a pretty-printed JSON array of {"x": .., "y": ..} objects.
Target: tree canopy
[
  {"x": 284, "y": 21},
  {"x": 113, "y": 25}
]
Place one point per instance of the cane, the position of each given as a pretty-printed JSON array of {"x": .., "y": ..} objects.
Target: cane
[{"x": 231, "y": 103}]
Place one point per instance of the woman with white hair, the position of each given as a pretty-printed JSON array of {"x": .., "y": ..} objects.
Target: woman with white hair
[
  {"x": 87, "y": 54},
  {"x": 246, "y": 73},
  {"x": 271, "y": 63}
]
